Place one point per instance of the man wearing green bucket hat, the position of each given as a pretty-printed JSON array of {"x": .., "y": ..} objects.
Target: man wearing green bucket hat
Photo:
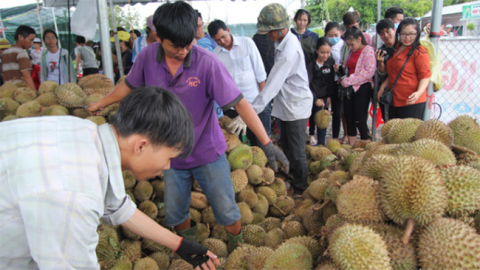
[{"x": 287, "y": 84}]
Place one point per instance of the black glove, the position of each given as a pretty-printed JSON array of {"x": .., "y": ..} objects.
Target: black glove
[
  {"x": 273, "y": 154},
  {"x": 193, "y": 253}
]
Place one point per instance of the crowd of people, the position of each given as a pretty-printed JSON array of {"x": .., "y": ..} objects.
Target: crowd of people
[{"x": 179, "y": 81}]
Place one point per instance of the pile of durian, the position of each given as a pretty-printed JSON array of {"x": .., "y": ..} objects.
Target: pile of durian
[
  {"x": 19, "y": 101},
  {"x": 409, "y": 201}
]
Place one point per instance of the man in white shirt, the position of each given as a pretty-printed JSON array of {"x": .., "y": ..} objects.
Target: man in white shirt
[
  {"x": 288, "y": 85},
  {"x": 60, "y": 175},
  {"x": 244, "y": 63}
]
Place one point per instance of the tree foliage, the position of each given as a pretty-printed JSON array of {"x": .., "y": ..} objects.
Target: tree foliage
[{"x": 125, "y": 18}]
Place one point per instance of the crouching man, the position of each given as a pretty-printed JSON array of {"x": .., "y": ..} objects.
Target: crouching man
[{"x": 60, "y": 175}]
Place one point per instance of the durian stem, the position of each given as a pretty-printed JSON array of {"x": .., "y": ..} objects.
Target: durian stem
[
  {"x": 337, "y": 184},
  {"x": 463, "y": 149},
  {"x": 281, "y": 211},
  {"x": 408, "y": 231},
  {"x": 316, "y": 208}
]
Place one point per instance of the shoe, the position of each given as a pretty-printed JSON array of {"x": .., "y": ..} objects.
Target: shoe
[
  {"x": 234, "y": 241},
  {"x": 190, "y": 234},
  {"x": 313, "y": 140}
]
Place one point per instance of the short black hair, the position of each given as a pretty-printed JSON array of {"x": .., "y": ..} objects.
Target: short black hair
[
  {"x": 301, "y": 12},
  {"x": 121, "y": 29},
  {"x": 350, "y": 18},
  {"x": 157, "y": 114},
  {"x": 80, "y": 40},
  {"x": 49, "y": 31},
  {"x": 331, "y": 25},
  {"x": 342, "y": 28},
  {"x": 176, "y": 22},
  {"x": 392, "y": 12},
  {"x": 24, "y": 31},
  {"x": 385, "y": 24},
  {"x": 354, "y": 33},
  {"x": 322, "y": 41},
  {"x": 215, "y": 26},
  {"x": 137, "y": 33},
  {"x": 198, "y": 14}
]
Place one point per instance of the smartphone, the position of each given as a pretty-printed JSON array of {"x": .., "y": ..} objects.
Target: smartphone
[{"x": 341, "y": 71}]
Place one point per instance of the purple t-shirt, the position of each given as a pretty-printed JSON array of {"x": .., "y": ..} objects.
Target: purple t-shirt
[{"x": 201, "y": 80}]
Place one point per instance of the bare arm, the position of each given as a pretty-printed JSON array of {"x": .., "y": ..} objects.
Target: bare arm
[
  {"x": 252, "y": 121},
  {"x": 79, "y": 59},
  {"x": 121, "y": 91},
  {"x": 27, "y": 78},
  {"x": 261, "y": 86},
  {"x": 422, "y": 86}
]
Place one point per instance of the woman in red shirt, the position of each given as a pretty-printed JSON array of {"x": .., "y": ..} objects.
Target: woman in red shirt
[
  {"x": 409, "y": 93},
  {"x": 361, "y": 65}
]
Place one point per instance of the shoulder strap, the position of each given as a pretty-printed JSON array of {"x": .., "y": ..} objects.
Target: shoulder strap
[{"x": 400, "y": 73}]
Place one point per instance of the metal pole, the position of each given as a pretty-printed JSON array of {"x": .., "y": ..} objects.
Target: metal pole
[
  {"x": 436, "y": 24},
  {"x": 55, "y": 24},
  {"x": 105, "y": 39},
  {"x": 117, "y": 42},
  {"x": 375, "y": 89},
  {"x": 42, "y": 67}
]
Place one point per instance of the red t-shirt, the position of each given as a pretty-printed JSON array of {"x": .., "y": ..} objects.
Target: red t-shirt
[
  {"x": 352, "y": 61},
  {"x": 36, "y": 75}
]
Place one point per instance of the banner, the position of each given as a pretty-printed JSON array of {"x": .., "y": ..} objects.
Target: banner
[
  {"x": 471, "y": 11},
  {"x": 460, "y": 60}
]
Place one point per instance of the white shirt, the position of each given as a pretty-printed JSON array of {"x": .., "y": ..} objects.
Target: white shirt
[
  {"x": 139, "y": 44},
  {"x": 337, "y": 54},
  {"x": 244, "y": 64},
  {"x": 58, "y": 176},
  {"x": 287, "y": 83},
  {"x": 53, "y": 67}
]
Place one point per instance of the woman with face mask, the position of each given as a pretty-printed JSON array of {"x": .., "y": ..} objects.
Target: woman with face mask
[{"x": 334, "y": 34}]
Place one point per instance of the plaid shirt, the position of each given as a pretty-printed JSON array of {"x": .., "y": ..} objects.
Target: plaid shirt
[{"x": 58, "y": 177}]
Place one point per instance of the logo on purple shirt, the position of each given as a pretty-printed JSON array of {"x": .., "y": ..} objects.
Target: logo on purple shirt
[{"x": 193, "y": 81}]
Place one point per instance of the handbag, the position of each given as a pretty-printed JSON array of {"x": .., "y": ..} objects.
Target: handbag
[
  {"x": 345, "y": 92},
  {"x": 387, "y": 97}
]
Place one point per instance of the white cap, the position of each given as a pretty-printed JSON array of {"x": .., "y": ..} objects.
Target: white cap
[
  {"x": 449, "y": 26},
  {"x": 37, "y": 40}
]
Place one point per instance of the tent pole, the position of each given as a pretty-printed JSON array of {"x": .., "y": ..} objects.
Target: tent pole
[
  {"x": 40, "y": 22},
  {"x": 375, "y": 89},
  {"x": 56, "y": 27},
  {"x": 117, "y": 42},
  {"x": 105, "y": 39},
  {"x": 436, "y": 23}
]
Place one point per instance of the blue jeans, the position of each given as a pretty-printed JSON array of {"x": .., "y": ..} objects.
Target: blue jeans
[
  {"x": 321, "y": 133},
  {"x": 214, "y": 179},
  {"x": 218, "y": 110}
]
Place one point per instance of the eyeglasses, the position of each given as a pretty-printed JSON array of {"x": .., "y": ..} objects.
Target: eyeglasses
[
  {"x": 50, "y": 38},
  {"x": 408, "y": 35}
]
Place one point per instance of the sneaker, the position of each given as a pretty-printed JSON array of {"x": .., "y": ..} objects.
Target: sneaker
[{"x": 313, "y": 140}]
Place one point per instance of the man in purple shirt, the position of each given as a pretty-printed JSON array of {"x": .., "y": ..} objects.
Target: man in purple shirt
[{"x": 199, "y": 79}]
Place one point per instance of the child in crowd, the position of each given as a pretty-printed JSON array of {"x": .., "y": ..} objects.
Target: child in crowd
[{"x": 321, "y": 75}]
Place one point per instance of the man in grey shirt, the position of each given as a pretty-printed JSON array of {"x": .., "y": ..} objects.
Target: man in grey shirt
[
  {"x": 36, "y": 52},
  {"x": 86, "y": 56}
]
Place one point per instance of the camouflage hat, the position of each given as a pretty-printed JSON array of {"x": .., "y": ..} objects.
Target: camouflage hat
[{"x": 272, "y": 17}]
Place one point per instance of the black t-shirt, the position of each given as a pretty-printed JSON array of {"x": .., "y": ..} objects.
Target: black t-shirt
[{"x": 127, "y": 63}]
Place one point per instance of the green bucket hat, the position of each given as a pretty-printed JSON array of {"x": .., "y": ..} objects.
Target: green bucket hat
[{"x": 272, "y": 17}]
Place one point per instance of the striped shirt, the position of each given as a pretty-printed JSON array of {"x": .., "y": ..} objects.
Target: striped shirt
[
  {"x": 14, "y": 61},
  {"x": 58, "y": 176}
]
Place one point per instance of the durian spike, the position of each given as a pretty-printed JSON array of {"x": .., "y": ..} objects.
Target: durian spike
[
  {"x": 280, "y": 210},
  {"x": 463, "y": 149},
  {"x": 316, "y": 208},
  {"x": 408, "y": 231}
]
